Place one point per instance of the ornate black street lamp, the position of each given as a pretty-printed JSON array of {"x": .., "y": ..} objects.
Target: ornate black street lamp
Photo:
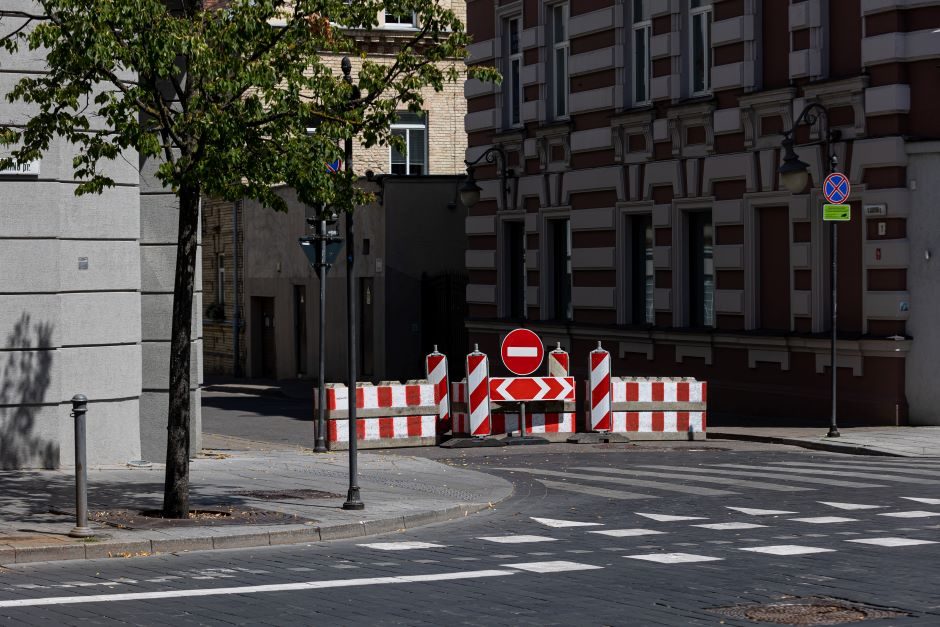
[{"x": 794, "y": 175}]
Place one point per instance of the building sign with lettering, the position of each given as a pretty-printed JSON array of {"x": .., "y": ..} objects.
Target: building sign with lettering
[{"x": 30, "y": 168}]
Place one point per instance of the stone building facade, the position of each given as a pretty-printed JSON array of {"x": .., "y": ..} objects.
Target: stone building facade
[
  {"x": 436, "y": 146},
  {"x": 645, "y": 138}
]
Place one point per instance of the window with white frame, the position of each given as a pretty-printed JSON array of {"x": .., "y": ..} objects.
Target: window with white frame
[
  {"x": 398, "y": 20},
  {"x": 641, "y": 31},
  {"x": 512, "y": 76},
  {"x": 700, "y": 47},
  {"x": 413, "y": 129},
  {"x": 559, "y": 84}
]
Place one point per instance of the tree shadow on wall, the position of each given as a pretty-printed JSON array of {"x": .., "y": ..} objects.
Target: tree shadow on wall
[{"x": 25, "y": 374}]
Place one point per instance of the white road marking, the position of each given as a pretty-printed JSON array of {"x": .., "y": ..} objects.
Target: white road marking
[
  {"x": 824, "y": 520},
  {"x": 787, "y": 549},
  {"x": 560, "y": 566},
  {"x": 760, "y": 512},
  {"x": 673, "y": 558},
  {"x": 520, "y": 539},
  {"x": 639, "y": 483},
  {"x": 551, "y": 522},
  {"x": 922, "y": 500},
  {"x": 911, "y": 514},
  {"x": 668, "y": 518},
  {"x": 627, "y": 533},
  {"x": 829, "y": 482},
  {"x": 891, "y": 541},
  {"x": 281, "y": 587},
  {"x": 828, "y": 472},
  {"x": 401, "y": 546},
  {"x": 729, "y": 525},
  {"x": 850, "y": 505},
  {"x": 691, "y": 476},
  {"x": 578, "y": 488}
]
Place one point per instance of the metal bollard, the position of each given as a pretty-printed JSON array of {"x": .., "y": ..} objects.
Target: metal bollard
[{"x": 81, "y": 530}]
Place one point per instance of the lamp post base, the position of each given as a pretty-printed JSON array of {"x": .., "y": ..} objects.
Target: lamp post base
[
  {"x": 833, "y": 432},
  {"x": 353, "y": 501},
  {"x": 82, "y": 532},
  {"x": 320, "y": 447}
]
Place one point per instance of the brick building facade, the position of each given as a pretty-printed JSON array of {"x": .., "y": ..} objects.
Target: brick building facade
[{"x": 645, "y": 138}]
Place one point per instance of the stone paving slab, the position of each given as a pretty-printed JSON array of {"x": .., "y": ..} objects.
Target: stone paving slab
[
  {"x": 400, "y": 492},
  {"x": 886, "y": 441}
]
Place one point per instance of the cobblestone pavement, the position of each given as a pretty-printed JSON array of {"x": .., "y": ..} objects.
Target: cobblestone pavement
[{"x": 653, "y": 536}]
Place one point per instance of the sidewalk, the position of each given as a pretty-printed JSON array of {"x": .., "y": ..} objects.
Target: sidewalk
[
  {"x": 399, "y": 492},
  {"x": 891, "y": 441}
]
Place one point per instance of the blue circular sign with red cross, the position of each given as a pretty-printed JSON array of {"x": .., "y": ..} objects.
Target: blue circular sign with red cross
[{"x": 836, "y": 188}]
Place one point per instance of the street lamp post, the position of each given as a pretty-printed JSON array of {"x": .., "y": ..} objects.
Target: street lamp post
[
  {"x": 794, "y": 174},
  {"x": 470, "y": 195},
  {"x": 353, "y": 500}
]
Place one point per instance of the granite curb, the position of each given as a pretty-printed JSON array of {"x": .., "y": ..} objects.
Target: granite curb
[
  {"x": 849, "y": 448},
  {"x": 237, "y": 538}
]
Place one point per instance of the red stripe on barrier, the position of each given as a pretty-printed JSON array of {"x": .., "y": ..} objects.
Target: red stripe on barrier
[
  {"x": 682, "y": 421},
  {"x": 703, "y": 421},
  {"x": 499, "y": 423},
  {"x": 360, "y": 397},
  {"x": 332, "y": 436},
  {"x": 633, "y": 391},
  {"x": 682, "y": 391},
  {"x": 386, "y": 427},
  {"x": 552, "y": 423},
  {"x": 414, "y": 426},
  {"x": 360, "y": 429},
  {"x": 704, "y": 388},
  {"x": 659, "y": 391},
  {"x": 331, "y": 399},
  {"x": 484, "y": 428},
  {"x": 412, "y": 395},
  {"x": 659, "y": 421},
  {"x": 633, "y": 421},
  {"x": 385, "y": 396},
  {"x": 478, "y": 396}
]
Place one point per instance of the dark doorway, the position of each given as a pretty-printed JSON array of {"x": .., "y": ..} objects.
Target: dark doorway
[
  {"x": 264, "y": 330},
  {"x": 773, "y": 283},
  {"x": 515, "y": 273},
  {"x": 443, "y": 310},
  {"x": 561, "y": 269},
  {"x": 366, "y": 326},
  {"x": 300, "y": 328}
]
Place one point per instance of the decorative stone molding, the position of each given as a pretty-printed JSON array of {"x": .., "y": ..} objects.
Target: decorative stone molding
[
  {"x": 682, "y": 118},
  {"x": 549, "y": 137},
  {"x": 643, "y": 348},
  {"x": 845, "y": 93},
  {"x": 634, "y": 123},
  {"x": 700, "y": 351},
  {"x": 766, "y": 104}
]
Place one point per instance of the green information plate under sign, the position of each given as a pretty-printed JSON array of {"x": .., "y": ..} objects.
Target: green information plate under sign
[{"x": 837, "y": 213}]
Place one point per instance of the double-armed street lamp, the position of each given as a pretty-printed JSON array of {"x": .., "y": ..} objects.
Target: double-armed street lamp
[{"x": 794, "y": 175}]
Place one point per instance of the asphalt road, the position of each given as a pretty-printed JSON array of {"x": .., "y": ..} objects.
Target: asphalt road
[{"x": 598, "y": 536}]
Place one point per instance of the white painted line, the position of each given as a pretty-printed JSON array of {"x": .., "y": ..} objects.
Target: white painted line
[
  {"x": 787, "y": 549},
  {"x": 673, "y": 558},
  {"x": 891, "y": 541},
  {"x": 911, "y": 514},
  {"x": 521, "y": 539},
  {"x": 729, "y": 525},
  {"x": 824, "y": 520},
  {"x": 627, "y": 533},
  {"x": 760, "y": 512},
  {"x": 281, "y": 587},
  {"x": 522, "y": 351},
  {"x": 551, "y": 522},
  {"x": 594, "y": 491},
  {"x": 850, "y": 505},
  {"x": 552, "y": 567},
  {"x": 668, "y": 518},
  {"x": 922, "y": 500},
  {"x": 401, "y": 546}
]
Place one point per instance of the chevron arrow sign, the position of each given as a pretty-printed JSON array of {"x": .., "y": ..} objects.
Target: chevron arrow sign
[{"x": 528, "y": 389}]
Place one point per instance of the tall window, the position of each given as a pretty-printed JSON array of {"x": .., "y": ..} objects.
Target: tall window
[
  {"x": 514, "y": 271},
  {"x": 701, "y": 270},
  {"x": 560, "y": 233},
  {"x": 559, "y": 83},
  {"x": 642, "y": 27},
  {"x": 642, "y": 275},
  {"x": 700, "y": 47},
  {"x": 400, "y": 19},
  {"x": 512, "y": 78},
  {"x": 220, "y": 280},
  {"x": 412, "y": 128}
]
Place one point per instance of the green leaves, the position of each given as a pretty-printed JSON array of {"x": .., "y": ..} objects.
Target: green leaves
[{"x": 224, "y": 94}]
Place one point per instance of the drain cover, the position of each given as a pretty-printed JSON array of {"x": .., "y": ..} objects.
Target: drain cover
[
  {"x": 279, "y": 495},
  {"x": 810, "y": 611}
]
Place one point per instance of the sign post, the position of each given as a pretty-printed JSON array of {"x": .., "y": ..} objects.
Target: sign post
[
  {"x": 522, "y": 354},
  {"x": 836, "y": 189}
]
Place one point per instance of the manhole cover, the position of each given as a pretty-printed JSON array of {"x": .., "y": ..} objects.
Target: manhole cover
[
  {"x": 812, "y": 611},
  {"x": 279, "y": 495}
]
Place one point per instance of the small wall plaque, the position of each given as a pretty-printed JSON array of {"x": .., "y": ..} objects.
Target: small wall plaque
[{"x": 83, "y": 263}]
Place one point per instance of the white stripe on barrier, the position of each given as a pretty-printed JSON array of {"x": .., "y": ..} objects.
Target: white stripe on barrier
[{"x": 398, "y": 396}]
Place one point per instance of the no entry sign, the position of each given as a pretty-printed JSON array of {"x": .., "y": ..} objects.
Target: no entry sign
[{"x": 522, "y": 351}]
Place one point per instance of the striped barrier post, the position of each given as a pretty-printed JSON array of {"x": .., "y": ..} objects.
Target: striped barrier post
[
  {"x": 600, "y": 419},
  {"x": 558, "y": 362},
  {"x": 478, "y": 393},
  {"x": 436, "y": 370}
]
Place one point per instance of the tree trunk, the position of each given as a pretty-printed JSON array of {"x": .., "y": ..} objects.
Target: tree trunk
[{"x": 176, "y": 486}]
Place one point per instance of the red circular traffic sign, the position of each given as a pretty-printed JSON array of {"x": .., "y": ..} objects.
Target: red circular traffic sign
[{"x": 522, "y": 352}]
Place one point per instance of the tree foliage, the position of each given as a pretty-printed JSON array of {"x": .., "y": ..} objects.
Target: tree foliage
[{"x": 222, "y": 94}]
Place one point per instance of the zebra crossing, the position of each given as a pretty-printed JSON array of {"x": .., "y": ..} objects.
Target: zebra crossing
[{"x": 648, "y": 481}]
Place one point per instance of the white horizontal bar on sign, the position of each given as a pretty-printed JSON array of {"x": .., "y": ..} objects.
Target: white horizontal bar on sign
[{"x": 522, "y": 351}]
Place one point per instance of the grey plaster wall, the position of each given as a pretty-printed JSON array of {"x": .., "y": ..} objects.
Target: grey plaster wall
[{"x": 923, "y": 279}]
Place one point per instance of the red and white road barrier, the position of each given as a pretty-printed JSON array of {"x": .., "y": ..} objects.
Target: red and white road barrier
[
  {"x": 478, "y": 393},
  {"x": 436, "y": 370},
  {"x": 558, "y": 363},
  {"x": 390, "y": 414},
  {"x": 672, "y": 408},
  {"x": 542, "y": 423},
  {"x": 599, "y": 418}
]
